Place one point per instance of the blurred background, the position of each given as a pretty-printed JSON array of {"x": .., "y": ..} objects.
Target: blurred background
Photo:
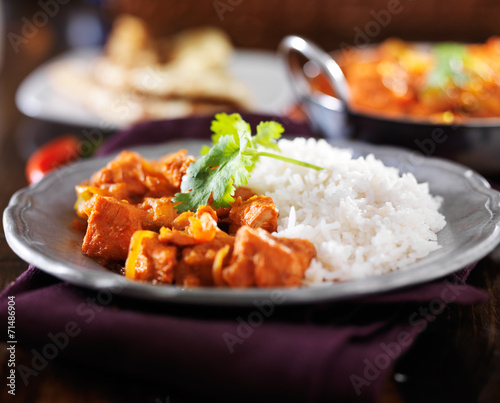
[
  {"x": 36, "y": 31},
  {"x": 253, "y": 23}
]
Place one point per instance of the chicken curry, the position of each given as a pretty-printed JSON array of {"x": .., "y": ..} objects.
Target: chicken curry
[
  {"x": 443, "y": 82},
  {"x": 132, "y": 227}
]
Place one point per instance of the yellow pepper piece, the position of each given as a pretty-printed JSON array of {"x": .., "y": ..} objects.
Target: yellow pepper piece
[
  {"x": 203, "y": 229},
  {"x": 136, "y": 241},
  {"x": 83, "y": 195},
  {"x": 218, "y": 265}
]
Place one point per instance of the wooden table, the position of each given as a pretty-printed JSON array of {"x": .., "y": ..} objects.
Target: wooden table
[{"x": 461, "y": 346}]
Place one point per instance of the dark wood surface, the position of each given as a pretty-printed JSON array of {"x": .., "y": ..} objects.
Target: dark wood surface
[{"x": 456, "y": 359}]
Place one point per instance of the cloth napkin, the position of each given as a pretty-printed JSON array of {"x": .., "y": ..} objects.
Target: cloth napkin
[{"x": 339, "y": 351}]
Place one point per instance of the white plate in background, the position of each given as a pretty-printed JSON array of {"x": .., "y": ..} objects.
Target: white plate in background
[{"x": 262, "y": 71}]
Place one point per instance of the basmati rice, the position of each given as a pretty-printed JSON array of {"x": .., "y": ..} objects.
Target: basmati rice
[{"x": 364, "y": 218}]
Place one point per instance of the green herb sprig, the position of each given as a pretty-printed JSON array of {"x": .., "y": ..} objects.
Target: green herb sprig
[
  {"x": 449, "y": 68},
  {"x": 229, "y": 162}
]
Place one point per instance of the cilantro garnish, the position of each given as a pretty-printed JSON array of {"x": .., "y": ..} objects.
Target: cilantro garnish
[{"x": 229, "y": 162}]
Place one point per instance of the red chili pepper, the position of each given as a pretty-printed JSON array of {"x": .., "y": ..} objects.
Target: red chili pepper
[{"x": 50, "y": 156}]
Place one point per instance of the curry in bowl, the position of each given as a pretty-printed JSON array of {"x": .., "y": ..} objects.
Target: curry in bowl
[{"x": 443, "y": 82}]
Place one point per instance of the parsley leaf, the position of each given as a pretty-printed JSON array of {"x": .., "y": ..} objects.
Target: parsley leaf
[{"x": 229, "y": 162}]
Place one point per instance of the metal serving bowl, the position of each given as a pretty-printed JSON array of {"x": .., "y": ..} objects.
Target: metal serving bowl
[{"x": 475, "y": 142}]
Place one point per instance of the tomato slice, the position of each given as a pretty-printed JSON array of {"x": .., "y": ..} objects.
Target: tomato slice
[{"x": 50, "y": 156}]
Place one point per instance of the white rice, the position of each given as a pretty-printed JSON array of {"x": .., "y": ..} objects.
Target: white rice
[{"x": 364, "y": 218}]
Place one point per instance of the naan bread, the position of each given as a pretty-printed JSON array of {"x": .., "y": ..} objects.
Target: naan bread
[{"x": 140, "y": 78}]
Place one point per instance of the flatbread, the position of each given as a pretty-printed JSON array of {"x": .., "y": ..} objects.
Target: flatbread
[{"x": 139, "y": 78}]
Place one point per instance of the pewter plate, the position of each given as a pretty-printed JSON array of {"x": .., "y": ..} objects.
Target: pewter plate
[{"x": 38, "y": 228}]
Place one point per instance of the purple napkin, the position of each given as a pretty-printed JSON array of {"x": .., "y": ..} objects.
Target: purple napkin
[{"x": 342, "y": 351}]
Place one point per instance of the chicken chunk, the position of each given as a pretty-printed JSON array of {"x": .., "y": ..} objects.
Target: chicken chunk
[
  {"x": 160, "y": 212},
  {"x": 110, "y": 227},
  {"x": 174, "y": 166},
  {"x": 131, "y": 177},
  {"x": 256, "y": 212},
  {"x": 149, "y": 259},
  {"x": 241, "y": 194},
  {"x": 260, "y": 259},
  {"x": 195, "y": 267}
]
